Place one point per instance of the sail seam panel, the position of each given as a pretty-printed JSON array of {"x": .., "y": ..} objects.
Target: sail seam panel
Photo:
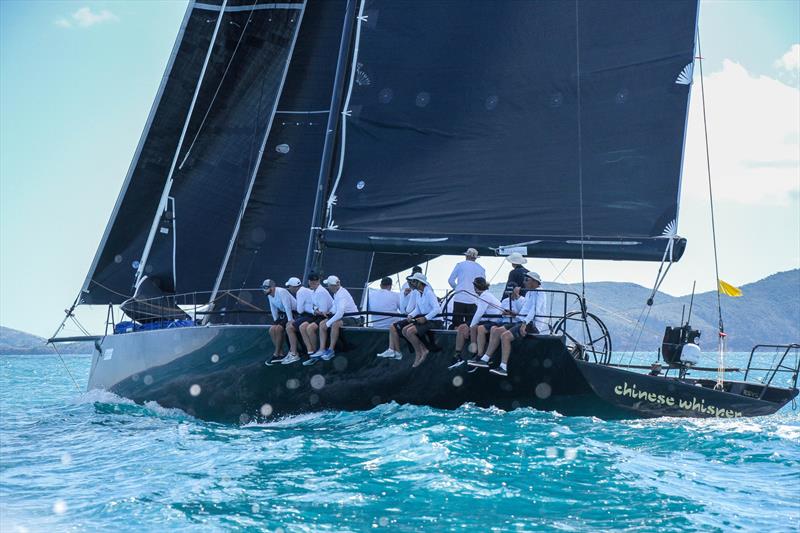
[
  {"x": 168, "y": 184},
  {"x": 246, "y": 198},
  {"x": 137, "y": 154},
  {"x": 234, "y": 9}
]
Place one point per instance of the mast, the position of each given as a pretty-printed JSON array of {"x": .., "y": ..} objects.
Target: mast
[
  {"x": 162, "y": 204},
  {"x": 313, "y": 254}
]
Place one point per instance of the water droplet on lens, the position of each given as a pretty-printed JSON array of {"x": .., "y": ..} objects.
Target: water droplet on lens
[
  {"x": 255, "y": 508},
  {"x": 491, "y": 102},
  {"x": 244, "y": 418},
  {"x": 282, "y": 148},
  {"x": 195, "y": 390},
  {"x": 360, "y": 185},
  {"x": 231, "y": 348},
  {"x": 340, "y": 363},
  {"x": 66, "y": 459},
  {"x": 543, "y": 391},
  {"x": 118, "y": 258},
  {"x": 570, "y": 454},
  {"x": 458, "y": 381},
  {"x": 551, "y": 452},
  {"x": 266, "y": 409},
  {"x": 383, "y": 521},
  {"x": 317, "y": 381},
  {"x": 215, "y": 358},
  {"x": 547, "y": 363},
  {"x": 423, "y": 99},
  {"x": 148, "y": 379},
  {"x": 292, "y": 384},
  {"x": 313, "y": 399},
  {"x": 385, "y": 96}
]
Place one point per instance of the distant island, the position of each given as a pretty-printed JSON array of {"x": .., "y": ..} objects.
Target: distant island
[
  {"x": 768, "y": 312},
  {"x": 15, "y": 342}
]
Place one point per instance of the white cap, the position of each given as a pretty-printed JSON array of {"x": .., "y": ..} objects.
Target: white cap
[
  {"x": 471, "y": 252},
  {"x": 534, "y": 276},
  {"x": 293, "y": 282},
  {"x": 331, "y": 280},
  {"x": 267, "y": 284},
  {"x": 516, "y": 259},
  {"x": 419, "y": 277}
]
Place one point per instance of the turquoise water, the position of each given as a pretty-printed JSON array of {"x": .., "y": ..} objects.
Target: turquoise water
[{"x": 76, "y": 461}]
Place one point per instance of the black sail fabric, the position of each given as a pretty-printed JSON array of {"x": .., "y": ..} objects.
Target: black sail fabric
[
  {"x": 111, "y": 277},
  {"x": 217, "y": 159},
  {"x": 493, "y": 124}
]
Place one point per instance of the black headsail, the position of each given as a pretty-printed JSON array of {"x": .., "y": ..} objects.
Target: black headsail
[
  {"x": 200, "y": 150},
  {"x": 553, "y": 126}
]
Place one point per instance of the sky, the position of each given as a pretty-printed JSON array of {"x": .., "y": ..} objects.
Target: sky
[{"x": 77, "y": 80}]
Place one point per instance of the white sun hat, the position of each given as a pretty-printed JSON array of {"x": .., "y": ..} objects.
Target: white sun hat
[
  {"x": 293, "y": 282},
  {"x": 516, "y": 259},
  {"x": 471, "y": 252},
  {"x": 419, "y": 277},
  {"x": 534, "y": 276},
  {"x": 332, "y": 280}
]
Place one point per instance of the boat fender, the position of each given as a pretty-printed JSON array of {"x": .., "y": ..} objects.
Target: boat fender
[{"x": 690, "y": 354}]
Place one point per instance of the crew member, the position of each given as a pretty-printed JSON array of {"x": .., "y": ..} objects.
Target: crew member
[
  {"x": 407, "y": 294},
  {"x": 342, "y": 304},
  {"x": 322, "y": 302},
  {"x": 422, "y": 318},
  {"x": 477, "y": 330},
  {"x": 305, "y": 314},
  {"x": 384, "y": 300},
  {"x": 282, "y": 305},
  {"x": 534, "y": 313},
  {"x": 461, "y": 280},
  {"x": 517, "y": 275}
]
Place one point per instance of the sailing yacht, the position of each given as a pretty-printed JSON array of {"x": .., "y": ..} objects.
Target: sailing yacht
[{"x": 361, "y": 137}]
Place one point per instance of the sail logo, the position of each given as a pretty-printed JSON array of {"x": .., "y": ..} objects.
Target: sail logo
[
  {"x": 686, "y": 75},
  {"x": 662, "y": 399}
]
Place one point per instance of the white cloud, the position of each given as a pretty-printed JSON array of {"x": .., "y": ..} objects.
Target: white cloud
[
  {"x": 790, "y": 60},
  {"x": 85, "y": 17},
  {"x": 753, "y": 124}
]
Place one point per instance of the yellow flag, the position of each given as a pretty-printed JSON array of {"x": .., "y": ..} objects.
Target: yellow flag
[{"x": 729, "y": 290}]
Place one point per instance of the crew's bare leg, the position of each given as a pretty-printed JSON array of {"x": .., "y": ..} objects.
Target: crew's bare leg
[
  {"x": 276, "y": 333},
  {"x": 311, "y": 333},
  {"x": 323, "y": 335},
  {"x": 494, "y": 340},
  {"x": 480, "y": 339},
  {"x": 394, "y": 339},
  {"x": 505, "y": 350},
  {"x": 462, "y": 332},
  {"x": 420, "y": 351},
  {"x": 335, "y": 333},
  {"x": 291, "y": 332},
  {"x": 304, "y": 334}
]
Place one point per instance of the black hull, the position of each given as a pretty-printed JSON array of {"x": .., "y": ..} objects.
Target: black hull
[
  {"x": 163, "y": 366},
  {"x": 218, "y": 373},
  {"x": 653, "y": 396}
]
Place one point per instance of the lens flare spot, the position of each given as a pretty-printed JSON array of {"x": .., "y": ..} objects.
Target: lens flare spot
[
  {"x": 458, "y": 381},
  {"x": 318, "y": 381},
  {"x": 195, "y": 390},
  {"x": 266, "y": 409}
]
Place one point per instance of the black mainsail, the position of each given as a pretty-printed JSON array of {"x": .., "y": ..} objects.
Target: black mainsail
[{"x": 557, "y": 127}]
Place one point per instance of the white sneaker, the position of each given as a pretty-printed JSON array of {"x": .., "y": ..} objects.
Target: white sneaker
[
  {"x": 290, "y": 358},
  {"x": 317, "y": 354},
  {"x": 398, "y": 355},
  {"x": 388, "y": 352}
]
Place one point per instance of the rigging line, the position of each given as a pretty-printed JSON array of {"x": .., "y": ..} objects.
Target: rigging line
[
  {"x": 710, "y": 188},
  {"x": 66, "y": 367},
  {"x": 580, "y": 147},
  {"x": 162, "y": 203},
  {"x": 346, "y": 113},
  {"x": 219, "y": 86},
  {"x": 496, "y": 272}
]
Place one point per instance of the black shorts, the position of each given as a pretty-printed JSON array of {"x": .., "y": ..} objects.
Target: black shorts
[
  {"x": 529, "y": 331},
  {"x": 302, "y": 319},
  {"x": 488, "y": 324},
  {"x": 351, "y": 321},
  {"x": 423, "y": 329},
  {"x": 400, "y": 324},
  {"x": 282, "y": 320},
  {"x": 463, "y": 313}
]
